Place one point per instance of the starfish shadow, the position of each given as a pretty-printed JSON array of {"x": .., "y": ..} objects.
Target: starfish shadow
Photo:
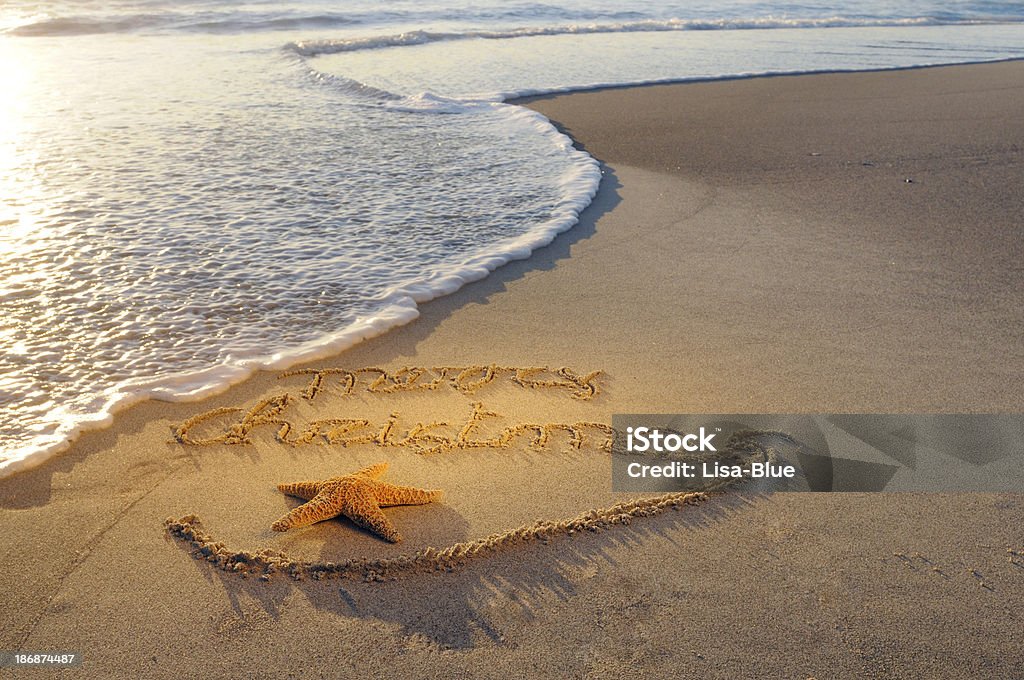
[{"x": 432, "y": 514}]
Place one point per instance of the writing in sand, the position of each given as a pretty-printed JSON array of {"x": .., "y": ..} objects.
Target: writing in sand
[{"x": 291, "y": 428}]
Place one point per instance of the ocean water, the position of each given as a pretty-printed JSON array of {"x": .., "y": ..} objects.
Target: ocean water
[{"x": 193, "y": 190}]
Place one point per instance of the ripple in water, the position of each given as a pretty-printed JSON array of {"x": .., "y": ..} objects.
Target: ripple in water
[{"x": 234, "y": 210}]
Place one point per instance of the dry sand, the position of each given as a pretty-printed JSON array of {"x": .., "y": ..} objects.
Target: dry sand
[{"x": 754, "y": 248}]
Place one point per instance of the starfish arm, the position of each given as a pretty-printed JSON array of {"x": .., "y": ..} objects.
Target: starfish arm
[
  {"x": 373, "y": 471},
  {"x": 362, "y": 509},
  {"x": 305, "y": 490},
  {"x": 323, "y": 506},
  {"x": 390, "y": 494},
  {"x": 359, "y": 496}
]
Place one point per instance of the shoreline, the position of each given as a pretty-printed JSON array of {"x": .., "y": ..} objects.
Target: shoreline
[
  {"x": 528, "y": 97},
  {"x": 401, "y": 307},
  {"x": 739, "y": 257},
  {"x": 406, "y": 309}
]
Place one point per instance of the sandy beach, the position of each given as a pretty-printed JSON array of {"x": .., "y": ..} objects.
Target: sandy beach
[{"x": 840, "y": 243}]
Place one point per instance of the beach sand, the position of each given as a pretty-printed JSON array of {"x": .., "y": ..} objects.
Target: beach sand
[{"x": 824, "y": 243}]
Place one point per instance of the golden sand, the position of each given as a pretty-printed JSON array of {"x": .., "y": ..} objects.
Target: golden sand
[
  {"x": 819, "y": 284},
  {"x": 465, "y": 379},
  {"x": 423, "y": 438},
  {"x": 266, "y": 562}
]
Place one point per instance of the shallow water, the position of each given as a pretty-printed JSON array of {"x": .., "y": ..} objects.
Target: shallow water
[{"x": 191, "y": 191}]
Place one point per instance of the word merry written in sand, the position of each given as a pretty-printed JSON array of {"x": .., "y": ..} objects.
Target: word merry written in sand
[
  {"x": 465, "y": 379},
  {"x": 424, "y": 438}
]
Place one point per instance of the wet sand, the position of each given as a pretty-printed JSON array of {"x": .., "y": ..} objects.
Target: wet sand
[{"x": 755, "y": 247}]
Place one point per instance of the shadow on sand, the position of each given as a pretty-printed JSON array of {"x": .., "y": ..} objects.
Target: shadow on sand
[{"x": 457, "y": 609}]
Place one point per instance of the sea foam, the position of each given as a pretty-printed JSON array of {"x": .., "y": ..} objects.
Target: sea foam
[
  {"x": 230, "y": 206},
  {"x": 568, "y": 183},
  {"x": 312, "y": 48}
]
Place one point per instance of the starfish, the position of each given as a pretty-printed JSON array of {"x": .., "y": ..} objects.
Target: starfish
[{"x": 359, "y": 496}]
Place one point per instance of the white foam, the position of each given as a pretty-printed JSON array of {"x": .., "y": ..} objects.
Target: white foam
[
  {"x": 511, "y": 96},
  {"x": 312, "y": 48},
  {"x": 400, "y": 304},
  {"x": 427, "y": 102}
]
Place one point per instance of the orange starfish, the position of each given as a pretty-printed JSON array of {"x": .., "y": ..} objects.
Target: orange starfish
[{"x": 359, "y": 496}]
